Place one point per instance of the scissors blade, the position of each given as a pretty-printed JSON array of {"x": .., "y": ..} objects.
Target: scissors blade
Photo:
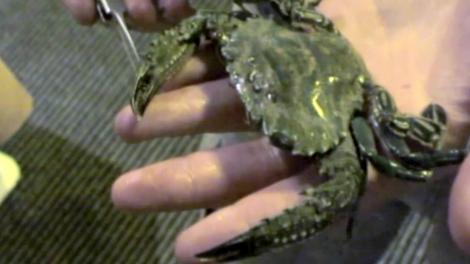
[{"x": 113, "y": 18}]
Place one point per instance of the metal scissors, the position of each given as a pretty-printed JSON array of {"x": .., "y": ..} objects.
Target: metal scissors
[{"x": 113, "y": 18}]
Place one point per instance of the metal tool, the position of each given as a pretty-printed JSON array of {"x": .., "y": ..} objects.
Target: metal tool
[{"x": 113, "y": 18}]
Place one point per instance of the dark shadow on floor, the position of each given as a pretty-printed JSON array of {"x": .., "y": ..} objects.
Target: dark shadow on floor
[{"x": 61, "y": 212}]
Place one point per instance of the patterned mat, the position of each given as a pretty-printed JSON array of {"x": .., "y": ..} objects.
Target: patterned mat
[{"x": 61, "y": 212}]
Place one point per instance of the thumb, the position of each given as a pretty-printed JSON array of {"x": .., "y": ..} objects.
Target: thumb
[{"x": 459, "y": 208}]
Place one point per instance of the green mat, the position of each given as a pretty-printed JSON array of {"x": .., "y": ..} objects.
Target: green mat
[{"x": 61, "y": 210}]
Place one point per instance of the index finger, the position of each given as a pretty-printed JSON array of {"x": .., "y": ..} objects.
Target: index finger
[
  {"x": 459, "y": 205},
  {"x": 204, "y": 179}
]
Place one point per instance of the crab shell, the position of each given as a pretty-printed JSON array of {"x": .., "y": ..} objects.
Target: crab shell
[{"x": 301, "y": 88}]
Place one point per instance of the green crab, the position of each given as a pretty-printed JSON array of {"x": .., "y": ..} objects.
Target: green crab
[{"x": 305, "y": 87}]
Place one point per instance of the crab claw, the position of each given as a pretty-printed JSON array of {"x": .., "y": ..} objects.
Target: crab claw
[
  {"x": 318, "y": 209},
  {"x": 293, "y": 225}
]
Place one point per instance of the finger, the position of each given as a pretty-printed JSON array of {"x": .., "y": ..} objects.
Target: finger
[
  {"x": 84, "y": 11},
  {"x": 175, "y": 10},
  {"x": 459, "y": 208},
  {"x": 156, "y": 15},
  {"x": 236, "y": 219},
  {"x": 209, "y": 107},
  {"x": 203, "y": 66},
  {"x": 204, "y": 179}
]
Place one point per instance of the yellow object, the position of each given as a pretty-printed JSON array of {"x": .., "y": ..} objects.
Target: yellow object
[
  {"x": 9, "y": 175},
  {"x": 15, "y": 103}
]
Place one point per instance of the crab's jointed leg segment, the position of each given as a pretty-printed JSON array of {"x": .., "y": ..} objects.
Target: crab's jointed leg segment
[
  {"x": 316, "y": 18},
  {"x": 394, "y": 128},
  {"x": 303, "y": 11},
  {"x": 421, "y": 160},
  {"x": 427, "y": 129},
  {"x": 286, "y": 5},
  {"x": 321, "y": 205},
  {"x": 434, "y": 159},
  {"x": 365, "y": 138}
]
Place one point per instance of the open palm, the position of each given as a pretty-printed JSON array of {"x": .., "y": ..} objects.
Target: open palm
[{"x": 416, "y": 49}]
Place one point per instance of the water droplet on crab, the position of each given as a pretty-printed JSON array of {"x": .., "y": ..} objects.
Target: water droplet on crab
[
  {"x": 229, "y": 54},
  {"x": 240, "y": 85},
  {"x": 257, "y": 88},
  {"x": 317, "y": 83},
  {"x": 272, "y": 97},
  {"x": 260, "y": 84},
  {"x": 253, "y": 75},
  {"x": 333, "y": 79}
]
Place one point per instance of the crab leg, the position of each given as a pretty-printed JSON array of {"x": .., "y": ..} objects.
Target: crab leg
[
  {"x": 394, "y": 128},
  {"x": 318, "y": 19},
  {"x": 365, "y": 139},
  {"x": 303, "y": 11},
  {"x": 321, "y": 205},
  {"x": 287, "y": 4},
  {"x": 422, "y": 160},
  {"x": 427, "y": 129}
]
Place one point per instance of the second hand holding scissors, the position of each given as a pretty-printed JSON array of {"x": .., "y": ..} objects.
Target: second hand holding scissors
[{"x": 111, "y": 17}]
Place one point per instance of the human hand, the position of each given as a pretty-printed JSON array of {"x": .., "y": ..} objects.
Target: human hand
[
  {"x": 142, "y": 14},
  {"x": 417, "y": 50},
  {"x": 414, "y": 51}
]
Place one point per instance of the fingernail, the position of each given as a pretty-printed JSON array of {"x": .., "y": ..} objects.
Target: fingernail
[
  {"x": 130, "y": 193},
  {"x": 126, "y": 121}
]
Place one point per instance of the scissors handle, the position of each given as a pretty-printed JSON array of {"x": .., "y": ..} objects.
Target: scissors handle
[{"x": 111, "y": 17}]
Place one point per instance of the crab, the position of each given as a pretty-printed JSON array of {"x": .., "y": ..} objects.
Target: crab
[{"x": 306, "y": 88}]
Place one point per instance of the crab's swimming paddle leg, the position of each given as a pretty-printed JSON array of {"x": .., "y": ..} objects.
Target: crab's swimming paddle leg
[
  {"x": 321, "y": 205},
  {"x": 168, "y": 53},
  {"x": 435, "y": 113}
]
